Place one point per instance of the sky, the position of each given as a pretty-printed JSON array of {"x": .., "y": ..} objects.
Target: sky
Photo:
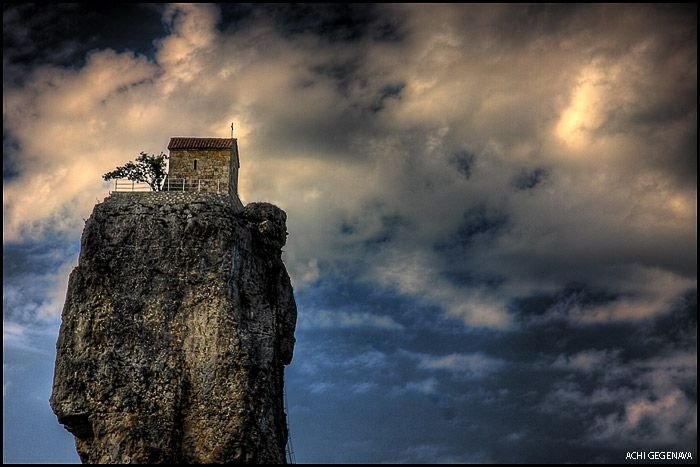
[{"x": 492, "y": 210}]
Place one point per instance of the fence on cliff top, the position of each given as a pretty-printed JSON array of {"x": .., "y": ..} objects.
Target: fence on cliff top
[{"x": 174, "y": 184}]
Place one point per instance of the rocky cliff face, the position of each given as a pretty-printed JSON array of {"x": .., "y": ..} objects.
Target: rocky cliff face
[{"x": 178, "y": 321}]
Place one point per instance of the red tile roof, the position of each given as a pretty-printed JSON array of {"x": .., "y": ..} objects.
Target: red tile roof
[{"x": 201, "y": 143}]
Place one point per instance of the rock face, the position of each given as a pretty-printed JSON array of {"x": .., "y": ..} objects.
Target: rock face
[{"x": 178, "y": 321}]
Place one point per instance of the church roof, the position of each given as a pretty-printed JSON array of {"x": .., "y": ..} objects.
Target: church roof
[{"x": 201, "y": 143}]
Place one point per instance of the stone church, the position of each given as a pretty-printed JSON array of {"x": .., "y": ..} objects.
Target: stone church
[{"x": 203, "y": 164}]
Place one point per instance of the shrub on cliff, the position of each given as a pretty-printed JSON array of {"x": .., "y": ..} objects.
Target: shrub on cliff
[{"x": 148, "y": 168}]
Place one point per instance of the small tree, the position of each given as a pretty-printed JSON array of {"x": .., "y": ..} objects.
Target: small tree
[{"x": 148, "y": 168}]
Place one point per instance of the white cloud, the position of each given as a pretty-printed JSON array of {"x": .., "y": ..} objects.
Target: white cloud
[
  {"x": 36, "y": 297},
  {"x": 641, "y": 401},
  {"x": 363, "y": 388},
  {"x": 305, "y": 273},
  {"x": 514, "y": 437},
  {"x": 13, "y": 334},
  {"x": 587, "y": 361},
  {"x": 23, "y": 337},
  {"x": 416, "y": 274},
  {"x": 319, "y": 387},
  {"x": 313, "y": 362},
  {"x": 438, "y": 454},
  {"x": 310, "y": 319},
  {"x": 425, "y": 386},
  {"x": 668, "y": 418},
  {"x": 184, "y": 52},
  {"x": 464, "y": 365},
  {"x": 643, "y": 293},
  {"x": 371, "y": 359}
]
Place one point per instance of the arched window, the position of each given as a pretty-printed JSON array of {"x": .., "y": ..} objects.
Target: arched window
[{"x": 195, "y": 164}]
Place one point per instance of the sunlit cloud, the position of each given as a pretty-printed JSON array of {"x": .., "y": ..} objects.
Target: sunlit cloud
[
  {"x": 583, "y": 115},
  {"x": 641, "y": 401},
  {"x": 470, "y": 366}
]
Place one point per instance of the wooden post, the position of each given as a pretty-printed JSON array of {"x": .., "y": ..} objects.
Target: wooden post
[{"x": 199, "y": 185}]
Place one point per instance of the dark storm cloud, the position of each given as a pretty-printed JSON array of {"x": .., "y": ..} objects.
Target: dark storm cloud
[
  {"x": 342, "y": 74},
  {"x": 480, "y": 223},
  {"x": 332, "y": 22},
  {"x": 529, "y": 179},
  {"x": 10, "y": 150},
  {"x": 675, "y": 331},
  {"x": 463, "y": 161},
  {"x": 34, "y": 35},
  {"x": 390, "y": 91},
  {"x": 479, "y": 228},
  {"x": 526, "y": 23}
]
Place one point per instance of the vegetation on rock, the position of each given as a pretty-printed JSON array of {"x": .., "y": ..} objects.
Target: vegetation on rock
[{"x": 148, "y": 168}]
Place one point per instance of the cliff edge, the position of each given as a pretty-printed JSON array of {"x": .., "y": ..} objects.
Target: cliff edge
[{"x": 177, "y": 325}]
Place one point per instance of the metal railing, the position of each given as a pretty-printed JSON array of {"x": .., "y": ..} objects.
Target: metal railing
[
  {"x": 194, "y": 184},
  {"x": 122, "y": 184},
  {"x": 174, "y": 184}
]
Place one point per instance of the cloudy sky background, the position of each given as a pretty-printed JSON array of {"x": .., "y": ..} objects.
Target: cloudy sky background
[{"x": 492, "y": 210}]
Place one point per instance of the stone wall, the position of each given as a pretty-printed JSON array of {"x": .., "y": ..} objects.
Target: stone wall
[
  {"x": 211, "y": 165},
  {"x": 162, "y": 198}
]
